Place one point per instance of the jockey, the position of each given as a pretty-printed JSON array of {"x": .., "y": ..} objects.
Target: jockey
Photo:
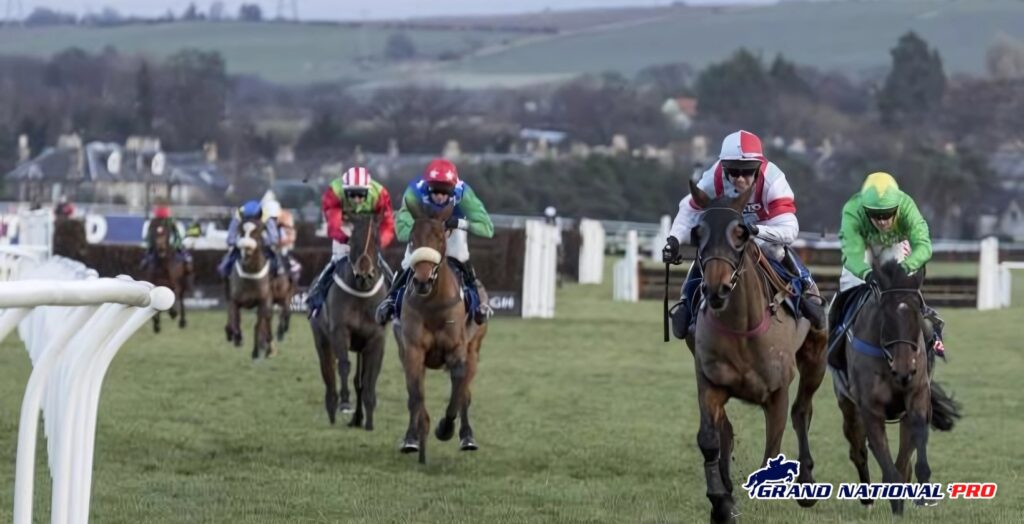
[
  {"x": 248, "y": 211},
  {"x": 438, "y": 187},
  {"x": 882, "y": 221},
  {"x": 771, "y": 212},
  {"x": 355, "y": 193},
  {"x": 162, "y": 216},
  {"x": 285, "y": 234}
]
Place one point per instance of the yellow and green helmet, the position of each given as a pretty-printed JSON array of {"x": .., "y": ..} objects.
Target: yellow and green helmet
[{"x": 880, "y": 192}]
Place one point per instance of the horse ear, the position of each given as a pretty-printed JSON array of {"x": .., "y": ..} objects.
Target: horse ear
[
  {"x": 446, "y": 212},
  {"x": 740, "y": 202},
  {"x": 415, "y": 210},
  {"x": 701, "y": 198}
]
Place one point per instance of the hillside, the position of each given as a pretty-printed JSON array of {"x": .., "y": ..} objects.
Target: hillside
[{"x": 854, "y": 37}]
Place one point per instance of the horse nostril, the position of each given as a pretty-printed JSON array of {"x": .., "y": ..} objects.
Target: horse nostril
[{"x": 723, "y": 290}]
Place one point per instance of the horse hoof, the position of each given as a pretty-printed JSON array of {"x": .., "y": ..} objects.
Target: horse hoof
[
  {"x": 926, "y": 503},
  {"x": 156, "y": 329},
  {"x": 181, "y": 324},
  {"x": 409, "y": 446},
  {"x": 445, "y": 429},
  {"x": 368, "y": 426},
  {"x": 807, "y": 503},
  {"x": 238, "y": 342},
  {"x": 273, "y": 351},
  {"x": 345, "y": 408},
  {"x": 173, "y": 314},
  {"x": 355, "y": 423},
  {"x": 468, "y": 444}
]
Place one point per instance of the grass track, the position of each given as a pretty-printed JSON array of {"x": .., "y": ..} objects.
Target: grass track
[{"x": 589, "y": 418}]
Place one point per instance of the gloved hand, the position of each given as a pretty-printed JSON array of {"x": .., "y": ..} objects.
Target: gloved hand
[
  {"x": 670, "y": 253},
  {"x": 754, "y": 230},
  {"x": 452, "y": 222},
  {"x": 871, "y": 279}
]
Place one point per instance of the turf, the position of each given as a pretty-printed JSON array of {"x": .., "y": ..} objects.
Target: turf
[{"x": 587, "y": 418}]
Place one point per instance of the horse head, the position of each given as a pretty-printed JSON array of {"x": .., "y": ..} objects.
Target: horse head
[
  {"x": 365, "y": 246},
  {"x": 721, "y": 238},
  {"x": 250, "y": 241},
  {"x": 429, "y": 241},
  {"x": 161, "y": 236},
  {"x": 900, "y": 319}
]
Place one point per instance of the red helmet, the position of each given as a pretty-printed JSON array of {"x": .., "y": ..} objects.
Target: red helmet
[
  {"x": 441, "y": 173},
  {"x": 162, "y": 212}
]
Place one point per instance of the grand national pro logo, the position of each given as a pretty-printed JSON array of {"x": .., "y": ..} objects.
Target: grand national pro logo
[{"x": 776, "y": 481}]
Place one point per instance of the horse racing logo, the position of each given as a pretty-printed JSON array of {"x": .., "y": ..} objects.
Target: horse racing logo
[{"x": 775, "y": 481}]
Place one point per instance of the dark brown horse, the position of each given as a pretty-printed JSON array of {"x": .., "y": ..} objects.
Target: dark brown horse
[
  {"x": 285, "y": 284},
  {"x": 887, "y": 376},
  {"x": 744, "y": 348},
  {"x": 346, "y": 323},
  {"x": 169, "y": 270},
  {"x": 249, "y": 286},
  {"x": 435, "y": 332}
]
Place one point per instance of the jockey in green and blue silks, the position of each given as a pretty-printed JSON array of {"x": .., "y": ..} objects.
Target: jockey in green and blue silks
[
  {"x": 437, "y": 188},
  {"x": 162, "y": 217},
  {"x": 771, "y": 213},
  {"x": 251, "y": 210}
]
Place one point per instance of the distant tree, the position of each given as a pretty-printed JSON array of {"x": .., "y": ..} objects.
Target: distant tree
[
  {"x": 916, "y": 82},
  {"x": 1005, "y": 59},
  {"x": 144, "y": 103},
  {"x": 250, "y": 13},
  {"x": 217, "y": 11},
  {"x": 737, "y": 92},
  {"x": 191, "y": 13},
  {"x": 45, "y": 16},
  {"x": 399, "y": 47},
  {"x": 195, "y": 90},
  {"x": 667, "y": 80},
  {"x": 787, "y": 79}
]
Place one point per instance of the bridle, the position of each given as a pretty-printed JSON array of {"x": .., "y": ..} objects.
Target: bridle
[
  {"x": 736, "y": 262},
  {"x": 885, "y": 344}
]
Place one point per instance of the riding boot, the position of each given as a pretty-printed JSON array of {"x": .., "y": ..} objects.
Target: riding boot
[
  {"x": 386, "y": 309},
  {"x": 932, "y": 329},
  {"x": 811, "y": 305},
  {"x": 319, "y": 288},
  {"x": 681, "y": 312},
  {"x": 224, "y": 268},
  {"x": 484, "y": 310}
]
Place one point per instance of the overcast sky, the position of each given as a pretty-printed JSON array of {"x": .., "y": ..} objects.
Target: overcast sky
[{"x": 350, "y": 9}]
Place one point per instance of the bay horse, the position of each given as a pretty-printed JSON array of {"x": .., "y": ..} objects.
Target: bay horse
[
  {"x": 346, "y": 323},
  {"x": 249, "y": 286},
  {"x": 887, "y": 377},
  {"x": 436, "y": 332},
  {"x": 168, "y": 270},
  {"x": 284, "y": 285},
  {"x": 743, "y": 347}
]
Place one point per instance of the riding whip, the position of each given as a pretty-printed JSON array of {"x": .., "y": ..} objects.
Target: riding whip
[{"x": 665, "y": 308}]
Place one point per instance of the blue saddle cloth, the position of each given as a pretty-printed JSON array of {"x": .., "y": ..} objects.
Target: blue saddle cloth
[
  {"x": 470, "y": 296},
  {"x": 795, "y": 281}
]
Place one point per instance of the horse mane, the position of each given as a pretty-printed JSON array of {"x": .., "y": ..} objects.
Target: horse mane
[{"x": 892, "y": 275}]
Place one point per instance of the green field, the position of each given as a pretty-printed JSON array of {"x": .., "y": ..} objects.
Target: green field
[
  {"x": 849, "y": 36},
  {"x": 589, "y": 418}
]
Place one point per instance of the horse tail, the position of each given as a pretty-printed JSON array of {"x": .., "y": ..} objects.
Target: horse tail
[{"x": 945, "y": 409}]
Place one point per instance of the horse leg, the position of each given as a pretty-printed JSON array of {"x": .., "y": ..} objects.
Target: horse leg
[
  {"x": 919, "y": 439},
  {"x": 181, "y": 306},
  {"x": 466, "y": 440},
  {"x": 156, "y": 322},
  {"x": 810, "y": 361},
  {"x": 457, "y": 371},
  {"x": 374, "y": 359},
  {"x": 234, "y": 328},
  {"x": 711, "y": 401},
  {"x": 344, "y": 367},
  {"x": 854, "y": 431},
  {"x": 262, "y": 331},
  {"x": 774, "y": 423},
  {"x": 329, "y": 373},
  {"x": 725, "y": 463},
  {"x": 357, "y": 381},
  {"x": 879, "y": 445},
  {"x": 286, "y": 312},
  {"x": 419, "y": 421},
  {"x": 905, "y": 451}
]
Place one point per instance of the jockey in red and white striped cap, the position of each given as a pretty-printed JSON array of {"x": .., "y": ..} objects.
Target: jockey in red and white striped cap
[{"x": 771, "y": 208}]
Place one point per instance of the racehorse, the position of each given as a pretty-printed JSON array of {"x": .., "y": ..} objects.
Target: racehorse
[
  {"x": 887, "y": 376},
  {"x": 284, "y": 285},
  {"x": 346, "y": 323},
  {"x": 169, "y": 270},
  {"x": 249, "y": 286},
  {"x": 434, "y": 331},
  {"x": 746, "y": 346}
]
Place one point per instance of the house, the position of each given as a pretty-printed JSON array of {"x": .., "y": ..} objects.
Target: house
[
  {"x": 1003, "y": 211},
  {"x": 133, "y": 174},
  {"x": 681, "y": 111}
]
